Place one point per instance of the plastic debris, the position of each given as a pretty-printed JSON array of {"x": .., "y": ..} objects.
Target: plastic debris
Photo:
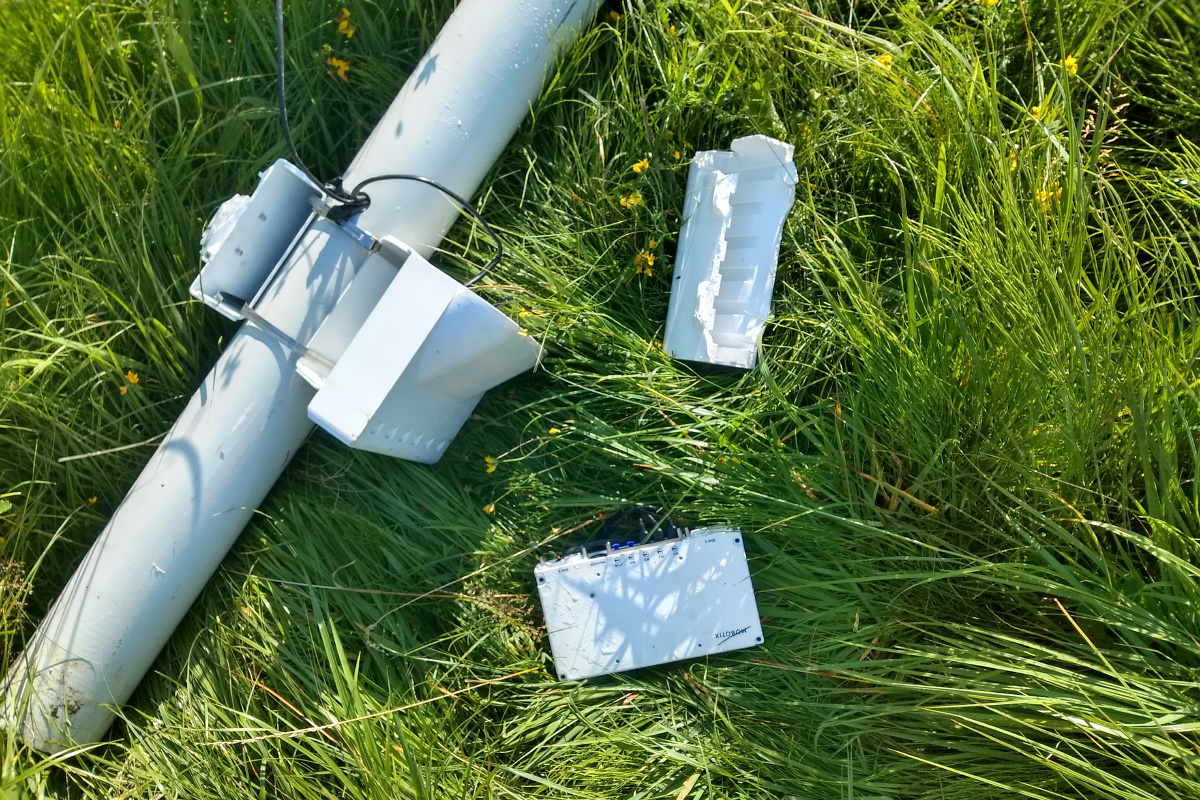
[{"x": 733, "y": 215}]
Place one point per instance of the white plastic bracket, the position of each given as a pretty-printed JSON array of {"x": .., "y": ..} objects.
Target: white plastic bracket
[
  {"x": 406, "y": 352},
  {"x": 733, "y": 216},
  {"x": 409, "y": 369},
  {"x": 248, "y": 237}
]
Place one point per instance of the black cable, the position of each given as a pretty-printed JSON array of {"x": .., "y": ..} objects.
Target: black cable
[
  {"x": 357, "y": 200},
  {"x": 641, "y": 513},
  {"x": 283, "y": 117},
  {"x": 357, "y": 194},
  {"x": 661, "y": 528}
]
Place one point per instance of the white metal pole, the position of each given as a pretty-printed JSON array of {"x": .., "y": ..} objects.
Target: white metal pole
[{"x": 450, "y": 121}]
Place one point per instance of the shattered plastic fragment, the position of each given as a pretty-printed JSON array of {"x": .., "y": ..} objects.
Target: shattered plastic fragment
[{"x": 733, "y": 216}]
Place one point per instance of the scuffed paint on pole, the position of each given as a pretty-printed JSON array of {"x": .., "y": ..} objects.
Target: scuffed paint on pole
[{"x": 450, "y": 122}]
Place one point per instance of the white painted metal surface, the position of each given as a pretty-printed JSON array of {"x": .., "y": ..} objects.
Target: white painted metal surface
[
  {"x": 450, "y": 121},
  {"x": 733, "y": 216},
  {"x": 458, "y": 110},
  {"x": 183, "y": 513},
  {"x": 649, "y": 604}
]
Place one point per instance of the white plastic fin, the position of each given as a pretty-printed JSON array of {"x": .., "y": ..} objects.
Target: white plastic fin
[
  {"x": 410, "y": 376},
  {"x": 733, "y": 215}
]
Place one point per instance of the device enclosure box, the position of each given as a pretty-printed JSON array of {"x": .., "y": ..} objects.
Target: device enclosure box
[{"x": 649, "y": 604}]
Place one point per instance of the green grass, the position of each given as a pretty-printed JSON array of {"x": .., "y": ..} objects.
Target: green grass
[{"x": 965, "y": 463}]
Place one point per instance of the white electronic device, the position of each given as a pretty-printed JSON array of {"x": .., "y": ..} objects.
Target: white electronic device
[{"x": 634, "y": 605}]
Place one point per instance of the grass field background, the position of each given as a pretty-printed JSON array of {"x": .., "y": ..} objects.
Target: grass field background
[{"x": 965, "y": 464}]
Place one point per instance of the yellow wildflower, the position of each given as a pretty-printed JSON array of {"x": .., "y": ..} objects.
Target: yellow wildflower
[
  {"x": 523, "y": 332},
  {"x": 489, "y": 508},
  {"x": 672, "y": 29},
  {"x": 92, "y": 501},
  {"x": 131, "y": 376},
  {"x": 989, "y": 3},
  {"x": 884, "y": 60},
  {"x": 632, "y": 199},
  {"x": 524, "y": 312},
  {"x": 653, "y": 244},
  {"x": 555, "y": 431},
  {"x": 1071, "y": 65},
  {"x": 615, "y": 16},
  {"x": 341, "y": 66},
  {"x": 122, "y": 390},
  {"x": 641, "y": 166},
  {"x": 1036, "y": 112},
  {"x": 490, "y": 464},
  {"x": 1044, "y": 196},
  {"x": 343, "y": 23},
  {"x": 642, "y": 263},
  {"x": 675, "y": 156}
]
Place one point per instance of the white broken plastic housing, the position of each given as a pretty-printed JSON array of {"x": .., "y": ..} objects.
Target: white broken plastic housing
[{"x": 733, "y": 215}]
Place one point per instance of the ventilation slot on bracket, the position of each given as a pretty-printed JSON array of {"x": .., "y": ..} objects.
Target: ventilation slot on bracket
[{"x": 733, "y": 215}]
